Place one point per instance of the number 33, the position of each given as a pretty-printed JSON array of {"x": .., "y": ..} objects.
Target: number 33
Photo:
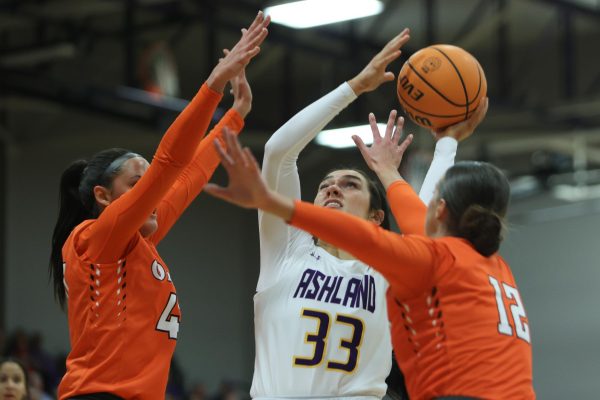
[{"x": 319, "y": 340}]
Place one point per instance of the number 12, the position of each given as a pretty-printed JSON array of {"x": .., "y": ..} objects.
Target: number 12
[{"x": 517, "y": 310}]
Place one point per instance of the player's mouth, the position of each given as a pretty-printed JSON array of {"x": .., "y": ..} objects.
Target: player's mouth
[{"x": 333, "y": 203}]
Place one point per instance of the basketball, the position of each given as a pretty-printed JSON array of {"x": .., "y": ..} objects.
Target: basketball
[{"x": 440, "y": 85}]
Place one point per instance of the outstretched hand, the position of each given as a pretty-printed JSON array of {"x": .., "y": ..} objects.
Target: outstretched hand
[
  {"x": 241, "y": 91},
  {"x": 385, "y": 154},
  {"x": 374, "y": 74},
  {"x": 240, "y": 55},
  {"x": 464, "y": 129},
  {"x": 246, "y": 187}
]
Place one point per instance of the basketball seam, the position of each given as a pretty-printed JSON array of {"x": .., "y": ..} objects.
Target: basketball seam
[
  {"x": 426, "y": 113},
  {"x": 444, "y": 97},
  {"x": 433, "y": 88},
  {"x": 461, "y": 81}
]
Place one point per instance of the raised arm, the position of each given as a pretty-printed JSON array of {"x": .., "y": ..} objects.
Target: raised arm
[
  {"x": 407, "y": 262},
  {"x": 190, "y": 182},
  {"x": 385, "y": 155},
  {"x": 106, "y": 240},
  {"x": 445, "y": 149},
  {"x": 281, "y": 151}
]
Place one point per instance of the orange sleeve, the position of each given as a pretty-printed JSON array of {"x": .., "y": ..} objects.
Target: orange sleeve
[
  {"x": 408, "y": 209},
  {"x": 405, "y": 261},
  {"x": 190, "y": 182},
  {"x": 106, "y": 240}
]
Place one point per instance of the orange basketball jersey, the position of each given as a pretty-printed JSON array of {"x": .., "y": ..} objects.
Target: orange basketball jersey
[
  {"x": 458, "y": 323},
  {"x": 123, "y": 321},
  {"x": 123, "y": 310}
]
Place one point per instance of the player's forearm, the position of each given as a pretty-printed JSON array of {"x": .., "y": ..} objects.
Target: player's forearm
[
  {"x": 295, "y": 134},
  {"x": 278, "y": 205},
  {"x": 443, "y": 158},
  {"x": 388, "y": 176}
]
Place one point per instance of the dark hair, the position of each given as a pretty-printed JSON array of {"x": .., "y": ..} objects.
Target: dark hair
[
  {"x": 377, "y": 198},
  {"x": 78, "y": 203},
  {"x": 477, "y": 196},
  {"x": 23, "y": 369}
]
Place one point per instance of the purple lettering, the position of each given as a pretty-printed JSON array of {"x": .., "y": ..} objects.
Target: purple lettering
[
  {"x": 312, "y": 293},
  {"x": 363, "y": 292},
  {"x": 304, "y": 281},
  {"x": 334, "y": 297},
  {"x": 326, "y": 288},
  {"x": 371, "y": 306},
  {"x": 351, "y": 291}
]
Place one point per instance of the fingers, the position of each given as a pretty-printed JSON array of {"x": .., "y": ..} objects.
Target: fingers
[
  {"x": 475, "y": 119},
  {"x": 234, "y": 149},
  {"x": 389, "y": 76},
  {"x": 399, "y": 40},
  {"x": 252, "y": 53},
  {"x": 362, "y": 147},
  {"x": 258, "y": 21},
  {"x": 374, "y": 128},
  {"x": 398, "y": 130},
  {"x": 254, "y": 34},
  {"x": 404, "y": 145},
  {"x": 481, "y": 111},
  {"x": 389, "y": 58},
  {"x": 226, "y": 161},
  {"x": 390, "y": 124},
  {"x": 216, "y": 191}
]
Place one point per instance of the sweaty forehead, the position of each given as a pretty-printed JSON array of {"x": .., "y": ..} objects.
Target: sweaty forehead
[{"x": 345, "y": 173}]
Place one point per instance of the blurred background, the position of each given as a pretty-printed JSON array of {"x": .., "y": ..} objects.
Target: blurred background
[{"x": 78, "y": 76}]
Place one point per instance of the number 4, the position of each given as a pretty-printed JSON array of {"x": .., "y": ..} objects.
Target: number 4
[
  {"x": 517, "y": 310},
  {"x": 167, "y": 322}
]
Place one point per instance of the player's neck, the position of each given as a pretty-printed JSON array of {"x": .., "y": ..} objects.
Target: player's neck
[{"x": 334, "y": 251}]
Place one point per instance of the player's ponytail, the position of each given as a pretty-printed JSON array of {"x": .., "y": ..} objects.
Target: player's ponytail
[
  {"x": 482, "y": 227},
  {"x": 71, "y": 213},
  {"x": 78, "y": 203},
  {"x": 477, "y": 195}
]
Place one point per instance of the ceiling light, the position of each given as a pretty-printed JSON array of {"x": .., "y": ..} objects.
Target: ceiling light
[
  {"x": 342, "y": 137},
  {"x": 308, "y": 13}
]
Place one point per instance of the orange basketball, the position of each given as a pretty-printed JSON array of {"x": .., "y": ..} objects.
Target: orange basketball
[{"x": 441, "y": 85}]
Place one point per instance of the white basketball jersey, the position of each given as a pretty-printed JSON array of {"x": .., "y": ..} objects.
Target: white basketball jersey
[
  {"x": 322, "y": 328},
  {"x": 321, "y": 323}
]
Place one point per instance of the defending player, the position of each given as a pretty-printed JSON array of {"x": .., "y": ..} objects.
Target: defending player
[{"x": 122, "y": 305}]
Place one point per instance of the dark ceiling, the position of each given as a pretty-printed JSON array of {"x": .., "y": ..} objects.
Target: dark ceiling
[{"x": 540, "y": 57}]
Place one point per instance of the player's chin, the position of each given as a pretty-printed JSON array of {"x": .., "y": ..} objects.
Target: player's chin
[{"x": 150, "y": 226}]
